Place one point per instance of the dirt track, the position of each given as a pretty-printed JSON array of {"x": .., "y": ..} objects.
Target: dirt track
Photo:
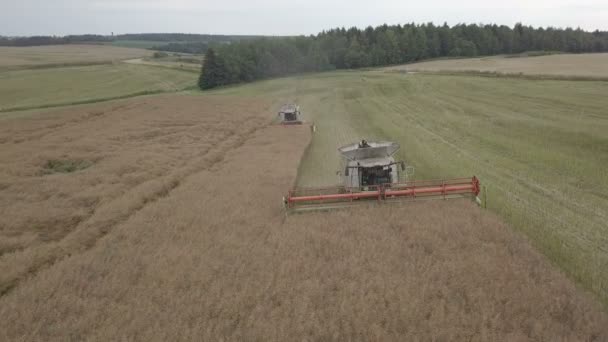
[{"x": 204, "y": 252}]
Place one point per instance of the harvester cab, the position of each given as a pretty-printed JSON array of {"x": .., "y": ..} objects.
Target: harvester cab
[
  {"x": 289, "y": 114},
  {"x": 371, "y": 164}
]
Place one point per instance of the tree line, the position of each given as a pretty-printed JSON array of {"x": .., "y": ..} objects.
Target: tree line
[
  {"x": 175, "y": 41},
  {"x": 183, "y": 37},
  {"x": 53, "y": 40},
  {"x": 341, "y": 48}
]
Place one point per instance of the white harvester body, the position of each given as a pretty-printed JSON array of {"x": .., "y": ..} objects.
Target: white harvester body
[{"x": 370, "y": 164}]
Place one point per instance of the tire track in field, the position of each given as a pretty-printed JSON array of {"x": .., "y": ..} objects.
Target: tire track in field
[
  {"x": 562, "y": 224},
  {"x": 85, "y": 235},
  {"x": 496, "y": 172}
]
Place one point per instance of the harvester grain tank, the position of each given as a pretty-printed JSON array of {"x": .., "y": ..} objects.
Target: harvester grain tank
[{"x": 372, "y": 173}]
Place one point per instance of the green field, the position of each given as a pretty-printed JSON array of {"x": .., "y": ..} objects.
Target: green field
[
  {"x": 540, "y": 147},
  {"x": 23, "y": 89}
]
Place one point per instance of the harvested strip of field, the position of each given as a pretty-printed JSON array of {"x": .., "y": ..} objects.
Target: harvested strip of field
[
  {"x": 51, "y": 55},
  {"x": 540, "y": 147},
  {"x": 214, "y": 258},
  {"x": 20, "y": 89},
  {"x": 585, "y": 65}
]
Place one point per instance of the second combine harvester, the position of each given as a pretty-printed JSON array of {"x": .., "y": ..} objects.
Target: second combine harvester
[
  {"x": 372, "y": 173},
  {"x": 289, "y": 114}
]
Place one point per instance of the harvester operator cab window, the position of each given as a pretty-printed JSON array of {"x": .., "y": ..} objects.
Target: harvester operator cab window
[
  {"x": 363, "y": 144},
  {"x": 290, "y": 116},
  {"x": 375, "y": 175}
]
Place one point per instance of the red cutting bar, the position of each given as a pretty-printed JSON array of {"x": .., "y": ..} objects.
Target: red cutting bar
[
  {"x": 440, "y": 190},
  {"x": 413, "y": 189},
  {"x": 367, "y": 194}
]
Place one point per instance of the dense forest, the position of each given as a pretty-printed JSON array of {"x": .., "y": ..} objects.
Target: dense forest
[{"x": 248, "y": 60}]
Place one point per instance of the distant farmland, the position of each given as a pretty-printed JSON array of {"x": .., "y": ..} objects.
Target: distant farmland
[
  {"x": 47, "y": 76},
  {"x": 140, "y": 44},
  {"x": 21, "y": 89},
  {"x": 582, "y": 65},
  {"x": 40, "y": 56}
]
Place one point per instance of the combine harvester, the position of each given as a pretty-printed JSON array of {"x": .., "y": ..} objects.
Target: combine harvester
[
  {"x": 372, "y": 174},
  {"x": 289, "y": 114}
]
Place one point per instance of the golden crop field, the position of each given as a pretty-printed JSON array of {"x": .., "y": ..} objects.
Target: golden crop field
[
  {"x": 58, "y": 55},
  {"x": 160, "y": 218}
]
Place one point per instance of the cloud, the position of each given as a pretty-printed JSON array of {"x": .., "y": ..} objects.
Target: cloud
[
  {"x": 199, "y": 6},
  {"x": 283, "y": 17}
]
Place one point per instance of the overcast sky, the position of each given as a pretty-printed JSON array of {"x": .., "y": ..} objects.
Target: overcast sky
[{"x": 277, "y": 17}]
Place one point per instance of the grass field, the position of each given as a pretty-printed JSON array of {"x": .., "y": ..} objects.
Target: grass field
[
  {"x": 540, "y": 147},
  {"x": 55, "y": 86},
  {"x": 567, "y": 65},
  {"x": 159, "y": 218},
  {"x": 59, "y": 55}
]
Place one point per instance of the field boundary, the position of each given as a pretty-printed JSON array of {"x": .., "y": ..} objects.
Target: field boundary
[
  {"x": 96, "y": 100},
  {"x": 84, "y": 64},
  {"x": 495, "y": 74},
  {"x": 301, "y": 162},
  {"x": 57, "y": 65},
  {"x": 152, "y": 65}
]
